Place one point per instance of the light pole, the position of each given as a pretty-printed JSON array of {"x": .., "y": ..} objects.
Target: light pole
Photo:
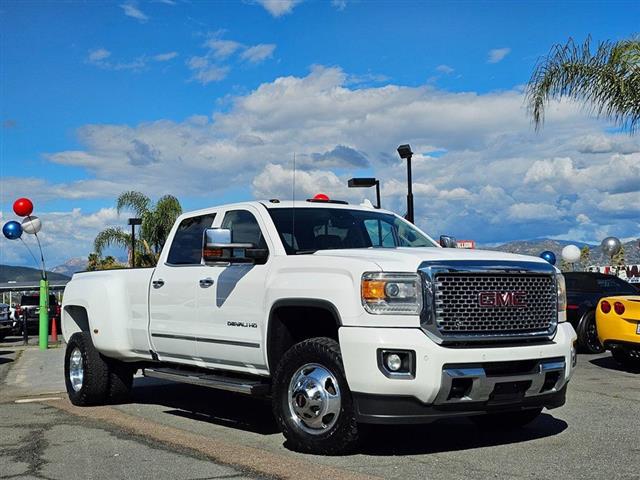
[
  {"x": 133, "y": 222},
  {"x": 364, "y": 183},
  {"x": 405, "y": 152}
]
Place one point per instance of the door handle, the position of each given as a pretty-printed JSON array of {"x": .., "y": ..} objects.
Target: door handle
[
  {"x": 206, "y": 282},
  {"x": 157, "y": 283}
]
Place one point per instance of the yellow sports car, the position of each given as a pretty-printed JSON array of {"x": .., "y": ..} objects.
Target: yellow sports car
[{"x": 618, "y": 326}]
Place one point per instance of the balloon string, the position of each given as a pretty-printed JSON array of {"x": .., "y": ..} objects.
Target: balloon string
[
  {"x": 32, "y": 255},
  {"x": 44, "y": 271}
]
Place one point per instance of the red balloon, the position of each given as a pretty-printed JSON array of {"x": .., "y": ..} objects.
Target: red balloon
[{"x": 23, "y": 207}]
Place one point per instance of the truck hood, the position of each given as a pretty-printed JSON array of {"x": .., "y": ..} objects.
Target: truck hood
[{"x": 403, "y": 259}]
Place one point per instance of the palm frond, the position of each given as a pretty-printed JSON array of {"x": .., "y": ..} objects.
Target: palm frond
[
  {"x": 606, "y": 80},
  {"x": 111, "y": 237},
  {"x": 136, "y": 201}
]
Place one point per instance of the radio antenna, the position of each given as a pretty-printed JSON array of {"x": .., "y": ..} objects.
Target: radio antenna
[{"x": 293, "y": 209}]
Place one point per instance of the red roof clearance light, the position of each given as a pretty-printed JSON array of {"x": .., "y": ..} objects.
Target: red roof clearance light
[
  {"x": 321, "y": 197},
  {"x": 605, "y": 306}
]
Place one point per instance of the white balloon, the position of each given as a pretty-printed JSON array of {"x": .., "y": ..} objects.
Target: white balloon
[
  {"x": 571, "y": 253},
  {"x": 31, "y": 225}
]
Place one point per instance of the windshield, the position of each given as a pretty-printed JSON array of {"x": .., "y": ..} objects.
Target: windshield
[{"x": 333, "y": 228}]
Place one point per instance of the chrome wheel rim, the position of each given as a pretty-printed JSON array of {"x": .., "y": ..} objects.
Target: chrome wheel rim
[
  {"x": 314, "y": 399},
  {"x": 76, "y": 369}
]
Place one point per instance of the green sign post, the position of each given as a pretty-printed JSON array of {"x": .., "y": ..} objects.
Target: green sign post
[{"x": 44, "y": 314}]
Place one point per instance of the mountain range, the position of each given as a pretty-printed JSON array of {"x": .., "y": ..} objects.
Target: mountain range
[{"x": 596, "y": 255}]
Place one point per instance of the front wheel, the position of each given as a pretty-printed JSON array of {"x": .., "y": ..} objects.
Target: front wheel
[
  {"x": 588, "y": 341},
  {"x": 312, "y": 401},
  {"x": 86, "y": 372},
  {"x": 508, "y": 420}
]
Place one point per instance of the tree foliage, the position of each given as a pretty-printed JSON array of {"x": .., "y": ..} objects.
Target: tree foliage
[
  {"x": 157, "y": 220},
  {"x": 606, "y": 80}
]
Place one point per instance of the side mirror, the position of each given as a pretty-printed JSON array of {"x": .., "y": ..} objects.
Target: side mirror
[
  {"x": 448, "y": 242},
  {"x": 217, "y": 249}
]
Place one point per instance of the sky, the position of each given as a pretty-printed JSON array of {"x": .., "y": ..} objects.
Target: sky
[{"x": 209, "y": 101}]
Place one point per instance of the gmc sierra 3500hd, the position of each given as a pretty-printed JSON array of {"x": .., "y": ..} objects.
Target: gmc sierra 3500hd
[{"x": 342, "y": 314}]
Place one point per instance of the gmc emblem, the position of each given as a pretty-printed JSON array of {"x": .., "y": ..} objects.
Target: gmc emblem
[{"x": 502, "y": 299}]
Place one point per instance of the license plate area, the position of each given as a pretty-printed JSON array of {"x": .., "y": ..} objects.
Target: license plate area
[{"x": 509, "y": 392}]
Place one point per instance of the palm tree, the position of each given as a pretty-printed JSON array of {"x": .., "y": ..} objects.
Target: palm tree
[
  {"x": 157, "y": 221},
  {"x": 606, "y": 81}
]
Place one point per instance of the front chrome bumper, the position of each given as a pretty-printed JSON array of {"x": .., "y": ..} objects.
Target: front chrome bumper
[{"x": 475, "y": 383}]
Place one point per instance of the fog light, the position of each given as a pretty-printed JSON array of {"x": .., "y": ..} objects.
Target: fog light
[
  {"x": 393, "y": 361},
  {"x": 397, "y": 363}
]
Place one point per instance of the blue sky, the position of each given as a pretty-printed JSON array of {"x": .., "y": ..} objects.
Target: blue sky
[{"x": 207, "y": 101}]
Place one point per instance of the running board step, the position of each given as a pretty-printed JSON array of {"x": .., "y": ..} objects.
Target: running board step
[{"x": 238, "y": 385}]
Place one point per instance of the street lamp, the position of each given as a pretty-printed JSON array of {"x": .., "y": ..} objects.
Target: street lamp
[
  {"x": 133, "y": 222},
  {"x": 405, "y": 152},
  {"x": 364, "y": 183}
]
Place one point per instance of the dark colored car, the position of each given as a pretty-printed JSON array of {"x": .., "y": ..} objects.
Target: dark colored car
[
  {"x": 584, "y": 291},
  {"x": 30, "y": 307},
  {"x": 6, "y": 322}
]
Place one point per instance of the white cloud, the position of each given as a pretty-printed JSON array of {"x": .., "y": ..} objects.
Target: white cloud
[
  {"x": 214, "y": 65},
  {"x": 98, "y": 55},
  {"x": 165, "y": 57},
  {"x": 277, "y": 8},
  {"x": 446, "y": 69},
  {"x": 221, "y": 49},
  {"x": 497, "y": 54},
  {"x": 339, "y": 4},
  {"x": 497, "y": 180},
  {"x": 258, "y": 53},
  {"x": 131, "y": 10}
]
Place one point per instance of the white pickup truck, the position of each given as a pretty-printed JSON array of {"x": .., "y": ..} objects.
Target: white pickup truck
[{"x": 343, "y": 314}]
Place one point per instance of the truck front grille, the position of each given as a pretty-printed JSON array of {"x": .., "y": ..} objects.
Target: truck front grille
[{"x": 494, "y": 304}]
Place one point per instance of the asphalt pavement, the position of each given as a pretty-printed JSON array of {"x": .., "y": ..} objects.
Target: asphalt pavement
[{"x": 183, "y": 431}]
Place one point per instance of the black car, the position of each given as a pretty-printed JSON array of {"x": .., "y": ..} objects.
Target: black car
[
  {"x": 30, "y": 308},
  {"x": 584, "y": 290}
]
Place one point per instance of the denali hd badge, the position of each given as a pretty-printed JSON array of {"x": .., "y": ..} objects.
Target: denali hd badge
[{"x": 502, "y": 299}]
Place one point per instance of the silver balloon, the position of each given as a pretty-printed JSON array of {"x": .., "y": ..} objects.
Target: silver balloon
[
  {"x": 31, "y": 224},
  {"x": 611, "y": 246}
]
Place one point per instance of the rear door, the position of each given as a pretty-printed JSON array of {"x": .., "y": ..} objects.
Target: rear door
[
  {"x": 231, "y": 313},
  {"x": 173, "y": 326}
]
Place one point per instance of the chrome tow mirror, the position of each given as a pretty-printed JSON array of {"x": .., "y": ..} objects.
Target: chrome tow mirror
[{"x": 448, "y": 242}]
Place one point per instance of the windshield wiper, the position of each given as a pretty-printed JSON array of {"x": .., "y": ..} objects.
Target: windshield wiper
[{"x": 305, "y": 252}]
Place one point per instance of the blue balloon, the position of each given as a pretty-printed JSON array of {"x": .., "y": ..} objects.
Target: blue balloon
[
  {"x": 12, "y": 230},
  {"x": 549, "y": 257}
]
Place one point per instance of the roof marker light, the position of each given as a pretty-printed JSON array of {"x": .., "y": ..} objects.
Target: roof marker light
[{"x": 321, "y": 197}]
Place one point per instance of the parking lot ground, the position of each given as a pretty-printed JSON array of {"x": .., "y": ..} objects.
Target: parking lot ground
[{"x": 595, "y": 435}]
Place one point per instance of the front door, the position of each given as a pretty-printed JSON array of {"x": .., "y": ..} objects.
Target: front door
[
  {"x": 232, "y": 312},
  {"x": 173, "y": 326}
]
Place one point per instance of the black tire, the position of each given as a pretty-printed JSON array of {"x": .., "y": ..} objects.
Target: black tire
[
  {"x": 507, "y": 420},
  {"x": 120, "y": 381},
  {"x": 630, "y": 360},
  {"x": 94, "y": 389},
  {"x": 588, "y": 341},
  {"x": 342, "y": 436}
]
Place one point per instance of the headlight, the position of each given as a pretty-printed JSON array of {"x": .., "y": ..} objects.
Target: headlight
[
  {"x": 562, "y": 293},
  {"x": 391, "y": 293}
]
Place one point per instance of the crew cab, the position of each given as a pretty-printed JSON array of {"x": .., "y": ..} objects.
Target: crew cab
[{"x": 342, "y": 314}]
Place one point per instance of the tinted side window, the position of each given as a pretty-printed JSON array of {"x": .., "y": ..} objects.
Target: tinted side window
[
  {"x": 244, "y": 228},
  {"x": 186, "y": 248},
  {"x": 614, "y": 285}
]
